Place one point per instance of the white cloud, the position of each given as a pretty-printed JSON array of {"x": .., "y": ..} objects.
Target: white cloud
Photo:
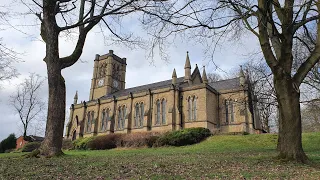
[{"x": 78, "y": 77}]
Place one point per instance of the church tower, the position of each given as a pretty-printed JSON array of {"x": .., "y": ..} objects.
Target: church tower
[{"x": 109, "y": 73}]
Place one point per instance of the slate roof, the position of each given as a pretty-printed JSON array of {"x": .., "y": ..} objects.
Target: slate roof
[
  {"x": 152, "y": 86},
  {"x": 233, "y": 83},
  {"x": 219, "y": 85}
]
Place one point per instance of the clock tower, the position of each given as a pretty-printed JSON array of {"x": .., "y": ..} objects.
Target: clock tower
[{"x": 109, "y": 74}]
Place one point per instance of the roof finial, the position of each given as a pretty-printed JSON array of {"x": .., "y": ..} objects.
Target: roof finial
[
  {"x": 187, "y": 64},
  {"x": 204, "y": 76},
  {"x": 187, "y": 69},
  {"x": 241, "y": 71},
  {"x": 75, "y": 99},
  {"x": 242, "y": 77},
  {"x": 174, "y": 74},
  {"x": 174, "y": 77}
]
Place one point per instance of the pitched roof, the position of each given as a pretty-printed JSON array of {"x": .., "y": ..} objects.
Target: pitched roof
[
  {"x": 219, "y": 85},
  {"x": 233, "y": 83},
  {"x": 36, "y": 138},
  {"x": 195, "y": 73},
  {"x": 33, "y": 138},
  {"x": 152, "y": 86}
]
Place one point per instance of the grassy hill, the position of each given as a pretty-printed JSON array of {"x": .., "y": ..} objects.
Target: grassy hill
[{"x": 218, "y": 157}]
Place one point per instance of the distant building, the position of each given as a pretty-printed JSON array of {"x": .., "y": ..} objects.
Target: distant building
[
  {"x": 191, "y": 101},
  {"x": 23, "y": 141}
]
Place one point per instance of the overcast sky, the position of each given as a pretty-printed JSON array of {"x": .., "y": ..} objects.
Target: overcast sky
[{"x": 140, "y": 70}]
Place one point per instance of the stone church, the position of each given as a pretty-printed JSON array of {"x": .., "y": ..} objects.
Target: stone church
[{"x": 181, "y": 102}]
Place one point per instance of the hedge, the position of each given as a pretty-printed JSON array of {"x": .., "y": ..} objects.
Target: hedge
[
  {"x": 183, "y": 137},
  {"x": 82, "y": 143},
  {"x": 143, "y": 139}
]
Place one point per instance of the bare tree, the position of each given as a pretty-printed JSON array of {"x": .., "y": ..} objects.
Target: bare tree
[
  {"x": 264, "y": 94},
  {"x": 275, "y": 24},
  {"x": 311, "y": 116},
  {"x": 213, "y": 77},
  {"x": 7, "y": 55},
  {"x": 26, "y": 101},
  {"x": 305, "y": 43},
  {"x": 79, "y": 17}
]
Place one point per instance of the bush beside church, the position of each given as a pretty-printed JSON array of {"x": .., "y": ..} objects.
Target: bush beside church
[{"x": 143, "y": 139}]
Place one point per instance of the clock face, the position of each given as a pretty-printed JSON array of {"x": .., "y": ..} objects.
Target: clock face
[
  {"x": 115, "y": 83},
  {"x": 100, "y": 82}
]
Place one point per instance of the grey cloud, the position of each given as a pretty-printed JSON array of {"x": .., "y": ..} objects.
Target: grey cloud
[{"x": 78, "y": 77}]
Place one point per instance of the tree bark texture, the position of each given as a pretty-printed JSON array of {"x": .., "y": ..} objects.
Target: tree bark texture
[
  {"x": 52, "y": 144},
  {"x": 290, "y": 140}
]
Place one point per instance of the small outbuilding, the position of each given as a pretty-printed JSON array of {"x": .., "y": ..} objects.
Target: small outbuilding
[{"x": 21, "y": 141}]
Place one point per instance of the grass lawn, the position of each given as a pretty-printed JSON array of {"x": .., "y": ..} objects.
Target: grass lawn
[{"x": 218, "y": 157}]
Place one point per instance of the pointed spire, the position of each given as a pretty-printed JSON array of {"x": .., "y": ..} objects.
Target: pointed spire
[
  {"x": 241, "y": 73},
  {"x": 174, "y": 77},
  {"x": 187, "y": 69},
  {"x": 187, "y": 64},
  {"x": 204, "y": 76},
  {"x": 75, "y": 99},
  {"x": 242, "y": 77},
  {"x": 174, "y": 74}
]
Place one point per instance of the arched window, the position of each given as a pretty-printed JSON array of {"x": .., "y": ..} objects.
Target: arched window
[
  {"x": 136, "y": 120},
  {"x": 107, "y": 119},
  {"x": 226, "y": 109},
  {"x": 119, "y": 118},
  {"x": 102, "y": 119},
  {"x": 104, "y": 69},
  {"x": 123, "y": 117},
  {"x": 194, "y": 108},
  {"x": 92, "y": 117},
  {"x": 163, "y": 112},
  {"x": 77, "y": 120},
  {"x": 189, "y": 108},
  {"x": 158, "y": 112},
  {"x": 88, "y": 123},
  {"x": 231, "y": 111},
  {"x": 142, "y": 114}
]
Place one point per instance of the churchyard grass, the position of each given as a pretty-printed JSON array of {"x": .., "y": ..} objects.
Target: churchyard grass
[{"x": 218, "y": 157}]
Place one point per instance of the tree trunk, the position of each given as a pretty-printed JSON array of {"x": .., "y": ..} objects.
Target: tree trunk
[
  {"x": 25, "y": 133},
  {"x": 52, "y": 144},
  {"x": 289, "y": 142}
]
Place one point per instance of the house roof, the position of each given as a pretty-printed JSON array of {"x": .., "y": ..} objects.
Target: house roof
[
  {"x": 36, "y": 138},
  {"x": 32, "y": 138}
]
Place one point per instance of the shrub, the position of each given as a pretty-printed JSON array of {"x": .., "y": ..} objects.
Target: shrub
[
  {"x": 111, "y": 141},
  {"x": 183, "y": 137},
  {"x": 141, "y": 139},
  {"x": 67, "y": 144},
  {"x": 8, "y": 143},
  {"x": 29, "y": 147},
  {"x": 82, "y": 143},
  {"x": 104, "y": 142},
  {"x": 151, "y": 140}
]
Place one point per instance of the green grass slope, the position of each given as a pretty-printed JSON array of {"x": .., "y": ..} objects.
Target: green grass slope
[{"x": 218, "y": 157}]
